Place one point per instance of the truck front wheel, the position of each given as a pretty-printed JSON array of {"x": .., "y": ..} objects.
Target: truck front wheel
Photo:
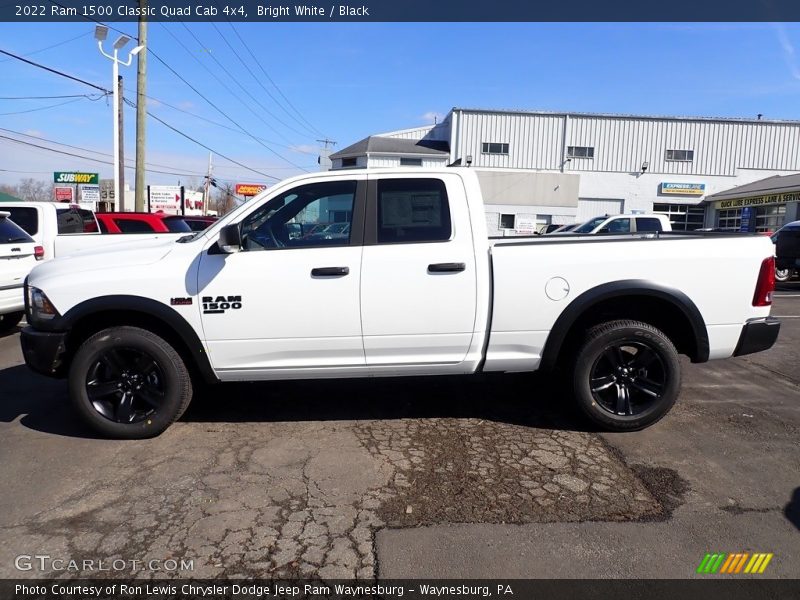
[
  {"x": 129, "y": 383},
  {"x": 626, "y": 375}
]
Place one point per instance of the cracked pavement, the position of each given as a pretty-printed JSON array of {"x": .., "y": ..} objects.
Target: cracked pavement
[{"x": 373, "y": 478}]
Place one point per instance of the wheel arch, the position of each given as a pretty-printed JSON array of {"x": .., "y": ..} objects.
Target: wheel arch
[
  {"x": 668, "y": 309},
  {"x": 91, "y": 316}
]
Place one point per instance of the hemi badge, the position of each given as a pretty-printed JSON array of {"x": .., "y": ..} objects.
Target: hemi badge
[{"x": 180, "y": 301}]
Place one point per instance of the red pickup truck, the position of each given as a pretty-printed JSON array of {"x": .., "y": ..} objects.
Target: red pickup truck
[{"x": 132, "y": 222}]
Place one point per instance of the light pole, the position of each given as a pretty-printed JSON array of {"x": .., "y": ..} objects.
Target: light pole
[{"x": 100, "y": 34}]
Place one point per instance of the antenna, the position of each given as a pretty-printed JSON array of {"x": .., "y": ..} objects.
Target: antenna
[{"x": 327, "y": 142}]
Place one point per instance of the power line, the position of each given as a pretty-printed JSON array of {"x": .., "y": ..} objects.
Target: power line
[
  {"x": 30, "y": 110},
  {"x": 275, "y": 85},
  {"x": 258, "y": 80},
  {"x": 89, "y": 96},
  {"x": 62, "y": 74},
  {"x": 56, "y": 45},
  {"x": 56, "y": 71}
]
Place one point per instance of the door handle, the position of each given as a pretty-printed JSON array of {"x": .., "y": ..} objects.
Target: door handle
[
  {"x": 446, "y": 267},
  {"x": 330, "y": 271}
]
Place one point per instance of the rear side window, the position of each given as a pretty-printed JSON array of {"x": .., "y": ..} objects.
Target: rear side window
[
  {"x": 648, "y": 224},
  {"x": 10, "y": 233},
  {"x": 69, "y": 221},
  {"x": 177, "y": 225},
  {"x": 24, "y": 217},
  {"x": 412, "y": 210},
  {"x": 133, "y": 226}
]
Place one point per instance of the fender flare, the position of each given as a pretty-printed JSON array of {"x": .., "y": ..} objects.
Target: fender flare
[
  {"x": 618, "y": 289},
  {"x": 152, "y": 308}
]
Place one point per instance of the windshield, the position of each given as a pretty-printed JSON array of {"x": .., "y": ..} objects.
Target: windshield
[{"x": 589, "y": 225}]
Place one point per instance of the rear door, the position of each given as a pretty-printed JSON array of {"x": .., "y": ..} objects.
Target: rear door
[
  {"x": 16, "y": 261},
  {"x": 418, "y": 277}
]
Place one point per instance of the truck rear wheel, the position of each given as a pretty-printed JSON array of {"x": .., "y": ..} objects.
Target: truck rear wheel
[
  {"x": 783, "y": 275},
  {"x": 129, "y": 383},
  {"x": 626, "y": 375}
]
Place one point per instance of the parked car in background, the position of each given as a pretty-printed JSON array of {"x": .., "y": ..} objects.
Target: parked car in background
[
  {"x": 625, "y": 224},
  {"x": 787, "y": 251},
  {"x": 132, "y": 222},
  {"x": 549, "y": 228},
  {"x": 18, "y": 255},
  {"x": 199, "y": 223},
  {"x": 564, "y": 228}
]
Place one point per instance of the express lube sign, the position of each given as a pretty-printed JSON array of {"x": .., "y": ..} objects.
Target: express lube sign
[{"x": 74, "y": 178}]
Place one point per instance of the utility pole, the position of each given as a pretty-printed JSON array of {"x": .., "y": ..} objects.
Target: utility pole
[
  {"x": 120, "y": 147},
  {"x": 322, "y": 160},
  {"x": 207, "y": 193},
  {"x": 141, "y": 110}
]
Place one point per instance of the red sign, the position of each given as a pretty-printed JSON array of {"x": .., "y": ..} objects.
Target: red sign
[
  {"x": 249, "y": 189},
  {"x": 65, "y": 194}
]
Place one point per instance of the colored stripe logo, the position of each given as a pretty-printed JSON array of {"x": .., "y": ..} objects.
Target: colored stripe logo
[{"x": 735, "y": 563}]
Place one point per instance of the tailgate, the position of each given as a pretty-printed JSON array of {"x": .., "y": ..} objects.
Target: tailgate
[{"x": 16, "y": 261}]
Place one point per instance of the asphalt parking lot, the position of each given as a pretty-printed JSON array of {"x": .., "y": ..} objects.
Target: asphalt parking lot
[{"x": 446, "y": 477}]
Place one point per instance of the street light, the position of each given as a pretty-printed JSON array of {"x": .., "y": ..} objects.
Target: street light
[{"x": 100, "y": 34}]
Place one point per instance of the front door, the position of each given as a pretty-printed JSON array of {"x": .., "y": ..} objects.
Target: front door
[
  {"x": 418, "y": 276},
  {"x": 289, "y": 300}
]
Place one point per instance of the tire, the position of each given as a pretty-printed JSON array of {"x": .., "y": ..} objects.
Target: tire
[
  {"x": 782, "y": 275},
  {"x": 10, "y": 320},
  {"x": 128, "y": 383},
  {"x": 626, "y": 375}
]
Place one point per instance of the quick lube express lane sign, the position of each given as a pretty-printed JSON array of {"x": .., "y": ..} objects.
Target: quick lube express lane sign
[{"x": 71, "y": 177}]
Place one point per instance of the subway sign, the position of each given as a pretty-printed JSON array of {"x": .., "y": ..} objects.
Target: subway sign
[
  {"x": 70, "y": 177},
  {"x": 683, "y": 189}
]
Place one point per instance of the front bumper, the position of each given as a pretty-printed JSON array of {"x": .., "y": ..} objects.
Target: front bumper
[
  {"x": 757, "y": 335},
  {"x": 43, "y": 351}
]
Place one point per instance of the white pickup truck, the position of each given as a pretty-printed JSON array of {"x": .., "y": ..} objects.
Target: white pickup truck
[{"x": 412, "y": 287}]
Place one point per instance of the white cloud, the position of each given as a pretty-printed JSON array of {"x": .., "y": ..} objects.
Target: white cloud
[
  {"x": 432, "y": 117},
  {"x": 789, "y": 54},
  {"x": 304, "y": 149}
]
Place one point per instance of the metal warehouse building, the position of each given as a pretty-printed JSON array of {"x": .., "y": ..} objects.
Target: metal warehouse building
[{"x": 543, "y": 167}]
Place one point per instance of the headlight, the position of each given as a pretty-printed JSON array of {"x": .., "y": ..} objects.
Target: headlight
[{"x": 40, "y": 306}]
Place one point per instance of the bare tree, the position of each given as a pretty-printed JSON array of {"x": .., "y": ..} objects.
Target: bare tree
[
  {"x": 225, "y": 198},
  {"x": 11, "y": 190},
  {"x": 35, "y": 190}
]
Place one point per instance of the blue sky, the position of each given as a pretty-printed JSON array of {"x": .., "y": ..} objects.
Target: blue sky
[{"x": 350, "y": 80}]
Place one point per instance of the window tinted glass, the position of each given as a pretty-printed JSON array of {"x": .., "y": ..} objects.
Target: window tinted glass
[
  {"x": 103, "y": 226},
  {"x": 619, "y": 226},
  {"x": 177, "y": 225},
  {"x": 506, "y": 221},
  {"x": 69, "y": 221},
  {"x": 10, "y": 233},
  {"x": 25, "y": 218},
  {"x": 589, "y": 225},
  {"x": 412, "y": 210},
  {"x": 318, "y": 214},
  {"x": 647, "y": 224},
  {"x": 133, "y": 226}
]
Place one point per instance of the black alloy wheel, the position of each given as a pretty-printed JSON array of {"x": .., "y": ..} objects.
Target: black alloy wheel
[
  {"x": 626, "y": 375},
  {"x": 125, "y": 385},
  {"x": 628, "y": 378},
  {"x": 128, "y": 383}
]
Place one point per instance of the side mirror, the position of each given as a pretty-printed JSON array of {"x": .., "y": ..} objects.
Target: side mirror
[{"x": 230, "y": 239}]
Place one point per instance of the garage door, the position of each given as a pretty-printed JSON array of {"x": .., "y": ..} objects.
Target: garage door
[{"x": 594, "y": 207}]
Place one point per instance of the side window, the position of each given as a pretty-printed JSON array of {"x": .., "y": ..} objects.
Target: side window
[
  {"x": 620, "y": 226},
  {"x": 69, "y": 221},
  {"x": 648, "y": 224},
  {"x": 317, "y": 214},
  {"x": 412, "y": 210},
  {"x": 25, "y": 218},
  {"x": 133, "y": 226}
]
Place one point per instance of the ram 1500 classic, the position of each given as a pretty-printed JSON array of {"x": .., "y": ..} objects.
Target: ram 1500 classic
[{"x": 411, "y": 285}]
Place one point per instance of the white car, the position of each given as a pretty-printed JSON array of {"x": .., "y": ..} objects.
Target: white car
[
  {"x": 634, "y": 223},
  {"x": 415, "y": 287},
  {"x": 18, "y": 255}
]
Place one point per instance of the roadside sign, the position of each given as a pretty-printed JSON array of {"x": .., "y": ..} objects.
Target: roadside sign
[
  {"x": 65, "y": 194},
  {"x": 249, "y": 189},
  {"x": 525, "y": 225},
  {"x": 164, "y": 198},
  {"x": 73, "y": 177},
  {"x": 90, "y": 193}
]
